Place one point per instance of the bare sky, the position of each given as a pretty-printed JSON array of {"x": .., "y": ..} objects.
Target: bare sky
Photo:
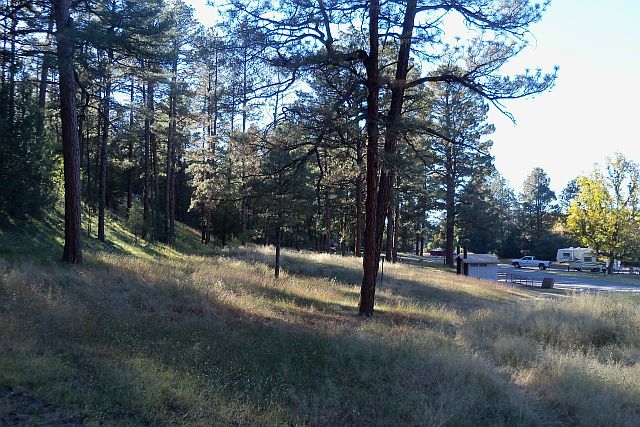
[{"x": 592, "y": 113}]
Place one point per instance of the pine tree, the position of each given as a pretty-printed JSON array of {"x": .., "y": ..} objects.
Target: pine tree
[
  {"x": 538, "y": 210},
  {"x": 461, "y": 152},
  {"x": 303, "y": 37},
  {"x": 72, "y": 252}
]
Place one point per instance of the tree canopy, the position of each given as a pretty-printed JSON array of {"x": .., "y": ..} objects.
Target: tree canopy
[
  {"x": 605, "y": 213},
  {"x": 301, "y": 36}
]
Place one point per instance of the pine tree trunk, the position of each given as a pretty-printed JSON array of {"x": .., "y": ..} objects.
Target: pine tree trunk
[
  {"x": 278, "y": 238},
  {"x": 104, "y": 153},
  {"x": 147, "y": 180},
  {"x": 387, "y": 176},
  {"x": 371, "y": 248},
  {"x": 156, "y": 208},
  {"x": 72, "y": 252},
  {"x": 377, "y": 205},
  {"x": 326, "y": 224},
  {"x": 450, "y": 213},
  {"x": 170, "y": 187},
  {"x": 390, "y": 233},
  {"x": 396, "y": 237},
  {"x": 10, "y": 108},
  {"x": 169, "y": 192},
  {"x": 42, "y": 88},
  {"x": 359, "y": 181},
  {"x": 245, "y": 222},
  {"x": 209, "y": 218},
  {"x": 130, "y": 150},
  {"x": 85, "y": 154}
]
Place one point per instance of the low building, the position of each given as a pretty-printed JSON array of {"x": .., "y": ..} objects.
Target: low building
[
  {"x": 479, "y": 266},
  {"x": 437, "y": 252}
]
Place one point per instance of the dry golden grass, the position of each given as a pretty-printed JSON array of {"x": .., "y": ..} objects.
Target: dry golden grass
[
  {"x": 577, "y": 355},
  {"x": 216, "y": 340}
]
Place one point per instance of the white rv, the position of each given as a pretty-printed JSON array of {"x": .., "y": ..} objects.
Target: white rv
[{"x": 579, "y": 259}]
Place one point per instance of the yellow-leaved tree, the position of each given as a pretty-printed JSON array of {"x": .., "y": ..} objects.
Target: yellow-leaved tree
[{"x": 605, "y": 214}]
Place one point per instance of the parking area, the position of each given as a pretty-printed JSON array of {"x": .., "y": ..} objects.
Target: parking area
[{"x": 571, "y": 280}]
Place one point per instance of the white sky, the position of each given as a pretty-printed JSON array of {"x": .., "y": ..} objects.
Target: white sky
[{"x": 591, "y": 112}]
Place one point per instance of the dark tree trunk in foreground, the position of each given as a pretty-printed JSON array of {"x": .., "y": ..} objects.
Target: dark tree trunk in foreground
[
  {"x": 371, "y": 244},
  {"x": 377, "y": 205},
  {"x": 70, "y": 143}
]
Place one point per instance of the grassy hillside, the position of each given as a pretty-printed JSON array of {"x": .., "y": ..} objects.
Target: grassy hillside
[{"x": 144, "y": 334}]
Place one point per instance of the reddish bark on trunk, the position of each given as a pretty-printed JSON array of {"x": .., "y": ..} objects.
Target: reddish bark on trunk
[{"x": 72, "y": 252}]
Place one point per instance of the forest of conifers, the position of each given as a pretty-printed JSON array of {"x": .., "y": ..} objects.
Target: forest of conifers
[{"x": 322, "y": 125}]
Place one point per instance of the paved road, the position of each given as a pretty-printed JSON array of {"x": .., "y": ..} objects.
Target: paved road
[{"x": 574, "y": 280}]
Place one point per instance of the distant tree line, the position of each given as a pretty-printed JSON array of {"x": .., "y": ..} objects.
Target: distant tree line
[{"x": 354, "y": 129}]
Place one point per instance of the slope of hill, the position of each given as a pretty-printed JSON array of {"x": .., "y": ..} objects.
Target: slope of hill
[{"x": 146, "y": 334}]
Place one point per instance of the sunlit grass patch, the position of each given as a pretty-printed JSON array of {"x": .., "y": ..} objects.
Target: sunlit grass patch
[
  {"x": 583, "y": 390},
  {"x": 578, "y": 355},
  {"x": 585, "y": 322}
]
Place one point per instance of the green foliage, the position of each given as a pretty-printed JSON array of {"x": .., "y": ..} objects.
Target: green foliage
[
  {"x": 569, "y": 193},
  {"x": 477, "y": 228},
  {"x": 135, "y": 218},
  {"x": 604, "y": 215},
  {"x": 538, "y": 211},
  {"x": 286, "y": 197},
  {"x": 589, "y": 216},
  {"x": 28, "y": 162}
]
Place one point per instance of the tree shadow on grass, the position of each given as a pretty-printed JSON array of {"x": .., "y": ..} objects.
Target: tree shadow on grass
[
  {"x": 165, "y": 352},
  {"x": 38, "y": 240},
  {"x": 130, "y": 350},
  {"x": 389, "y": 287}
]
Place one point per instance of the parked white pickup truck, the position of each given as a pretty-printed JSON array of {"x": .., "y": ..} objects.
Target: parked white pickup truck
[{"x": 530, "y": 261}]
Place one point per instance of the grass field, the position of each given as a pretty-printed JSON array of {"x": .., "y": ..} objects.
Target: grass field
[{"x": 145, "y": 334}]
